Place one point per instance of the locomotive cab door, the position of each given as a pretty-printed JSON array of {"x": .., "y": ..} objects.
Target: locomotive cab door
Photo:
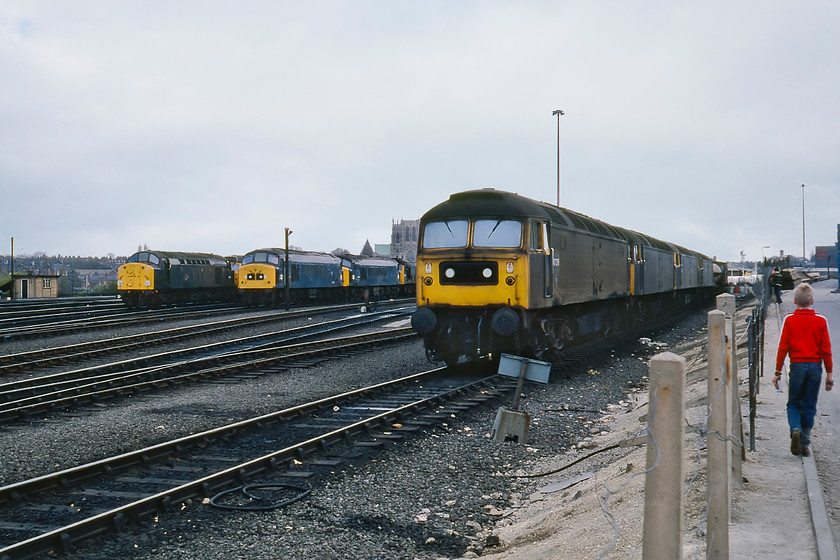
[
  {"x": 540, "y": 261},
  {"x": 677, "y": 271},
  {"x": 637, "y": 272}
]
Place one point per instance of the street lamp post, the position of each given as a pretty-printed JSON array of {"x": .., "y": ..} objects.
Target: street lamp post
[
  {"x": 763, "y": 258},
  {"x": 804, "y": 256},
  {"x": 559, "y": 114}
]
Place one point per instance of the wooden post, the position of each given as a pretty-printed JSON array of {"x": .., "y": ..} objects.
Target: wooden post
[
  {"x": 726, "y": 303},
  {"x": 717, "y": 443},
  {"x": 753, "y": 386},
  {"x": 663, "y": 525}
]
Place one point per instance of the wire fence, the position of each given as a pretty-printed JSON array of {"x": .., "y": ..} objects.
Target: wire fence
[{"x": 719, "y": 444}]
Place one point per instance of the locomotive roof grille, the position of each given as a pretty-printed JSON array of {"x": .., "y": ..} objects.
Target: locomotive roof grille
[
  {"x": 176, "y": 257},
  {"x": 558, "y": 217},
  {"x": 485, "y": 203}
]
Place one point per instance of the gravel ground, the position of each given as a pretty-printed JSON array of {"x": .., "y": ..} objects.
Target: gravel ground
[{"x": 439, "y": 495}]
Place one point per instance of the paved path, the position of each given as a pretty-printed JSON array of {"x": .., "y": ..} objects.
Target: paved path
[{"x": 785, "y": 509}]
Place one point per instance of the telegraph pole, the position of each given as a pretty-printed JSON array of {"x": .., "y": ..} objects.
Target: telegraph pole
[
  {"x": 12, "y": 269},
  {"x": 286, "y": 266}
]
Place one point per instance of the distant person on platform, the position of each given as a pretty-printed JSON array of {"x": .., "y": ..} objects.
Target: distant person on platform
[
  {"x": 806, "y": 340},
  {"x": 776, "y": 283}
]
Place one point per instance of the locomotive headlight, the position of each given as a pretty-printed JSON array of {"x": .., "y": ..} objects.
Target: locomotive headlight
[
  {"x": 487, "y": 273},
  {"x": 509, "y": 267},
  {"x": 119, "y": 283},
  {"x": 250, "y": 276},
  {"x": 147, "y": 282},
  {"x": 449, "y": 273},
  {"x": 260, "y": 276},
  {"x": 510, "y": 280},
  {"x": 427, "y": 280}
]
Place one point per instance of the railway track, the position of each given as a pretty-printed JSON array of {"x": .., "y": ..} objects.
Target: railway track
[
  {"x": 50, "y": 356},
  {"x": 18, "y": 325},
  {"x": 56, "y": 512},
  {"x": 236, "y": 358}
]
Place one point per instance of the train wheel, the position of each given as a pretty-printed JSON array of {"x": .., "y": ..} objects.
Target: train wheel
[{"x": 451, "y": 359}]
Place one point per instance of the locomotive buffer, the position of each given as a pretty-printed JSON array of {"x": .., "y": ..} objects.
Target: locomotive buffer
[{"x": 512, "y": 423}]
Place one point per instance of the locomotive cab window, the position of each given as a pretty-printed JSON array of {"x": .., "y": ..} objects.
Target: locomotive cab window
[
  {"x": 637, "y": 254},
  {"x": 440, "y": 235},
  {"x": 537, "y": 236},
  {"x": 497, "y": 233}
]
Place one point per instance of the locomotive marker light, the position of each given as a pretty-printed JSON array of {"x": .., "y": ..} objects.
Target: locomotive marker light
[{"x": 512, "y": 424}]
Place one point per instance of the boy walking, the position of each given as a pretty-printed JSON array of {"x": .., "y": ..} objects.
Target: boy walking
[{"x": 806, "y": 341}]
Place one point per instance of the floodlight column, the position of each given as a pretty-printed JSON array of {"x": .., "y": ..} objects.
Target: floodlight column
[{"x": 558, "y": 113}]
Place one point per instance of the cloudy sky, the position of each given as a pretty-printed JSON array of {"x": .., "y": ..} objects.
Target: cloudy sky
[{"x": 212, "y": 126}]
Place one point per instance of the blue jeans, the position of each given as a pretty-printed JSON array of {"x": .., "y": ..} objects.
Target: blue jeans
[{"x": 804, "y": 388}]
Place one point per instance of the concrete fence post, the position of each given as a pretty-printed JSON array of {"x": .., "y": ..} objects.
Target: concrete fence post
[
  {"x": 726, "y": 303},
  {"x": 663, "y": 524},
  {"x": 717, "y": 443}
]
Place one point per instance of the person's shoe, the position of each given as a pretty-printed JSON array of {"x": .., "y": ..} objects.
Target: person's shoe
[
  {"x": 795, "y": 442},
  {"x": 806, "y": 450}
]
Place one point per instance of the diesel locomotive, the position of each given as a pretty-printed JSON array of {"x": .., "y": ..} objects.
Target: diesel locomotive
[
  {"x": 154, "y": 278},
  {"x": 320, "y": 276},
  {"x": 498, "y": 272}
]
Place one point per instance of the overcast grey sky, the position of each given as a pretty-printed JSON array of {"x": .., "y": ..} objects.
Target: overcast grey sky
[{"x": 211, "y": 126}]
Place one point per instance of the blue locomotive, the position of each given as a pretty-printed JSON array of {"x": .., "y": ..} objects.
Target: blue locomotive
[{"x": 322, "y": 277}]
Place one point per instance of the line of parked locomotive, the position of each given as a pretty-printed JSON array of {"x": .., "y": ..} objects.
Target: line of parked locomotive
[
  {"x": 498, "y": 272},
  {"x": 154, "y": 278}
]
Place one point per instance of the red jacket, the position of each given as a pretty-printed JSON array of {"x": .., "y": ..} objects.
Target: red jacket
[{"x": 805, "y": 338}]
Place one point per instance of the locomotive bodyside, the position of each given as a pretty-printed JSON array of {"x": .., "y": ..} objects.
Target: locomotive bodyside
[
  {"x": 497, "y": 272},
  {"x": 153, "y": 278},
  {"x": 314, "y": 275},
  {"x": 262, "y": 279}
]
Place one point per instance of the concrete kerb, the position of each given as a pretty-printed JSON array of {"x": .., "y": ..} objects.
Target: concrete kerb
[{"x": 826, "y": 547}]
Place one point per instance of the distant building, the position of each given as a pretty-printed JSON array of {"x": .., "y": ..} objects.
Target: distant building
[
  {"x": 404, "y": 239},
  {"x": 86, "y": 279},
  {"x": 825, "y": 257},
  {"x": 367, "y": 250}
]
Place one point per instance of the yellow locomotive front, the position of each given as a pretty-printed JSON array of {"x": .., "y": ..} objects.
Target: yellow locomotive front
[
  {"x": 472, "y": 263},
  {"x": 482, "y": 269},
  {"x": 135, "y": 280},
  {"x": 259, "y": 277}
]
